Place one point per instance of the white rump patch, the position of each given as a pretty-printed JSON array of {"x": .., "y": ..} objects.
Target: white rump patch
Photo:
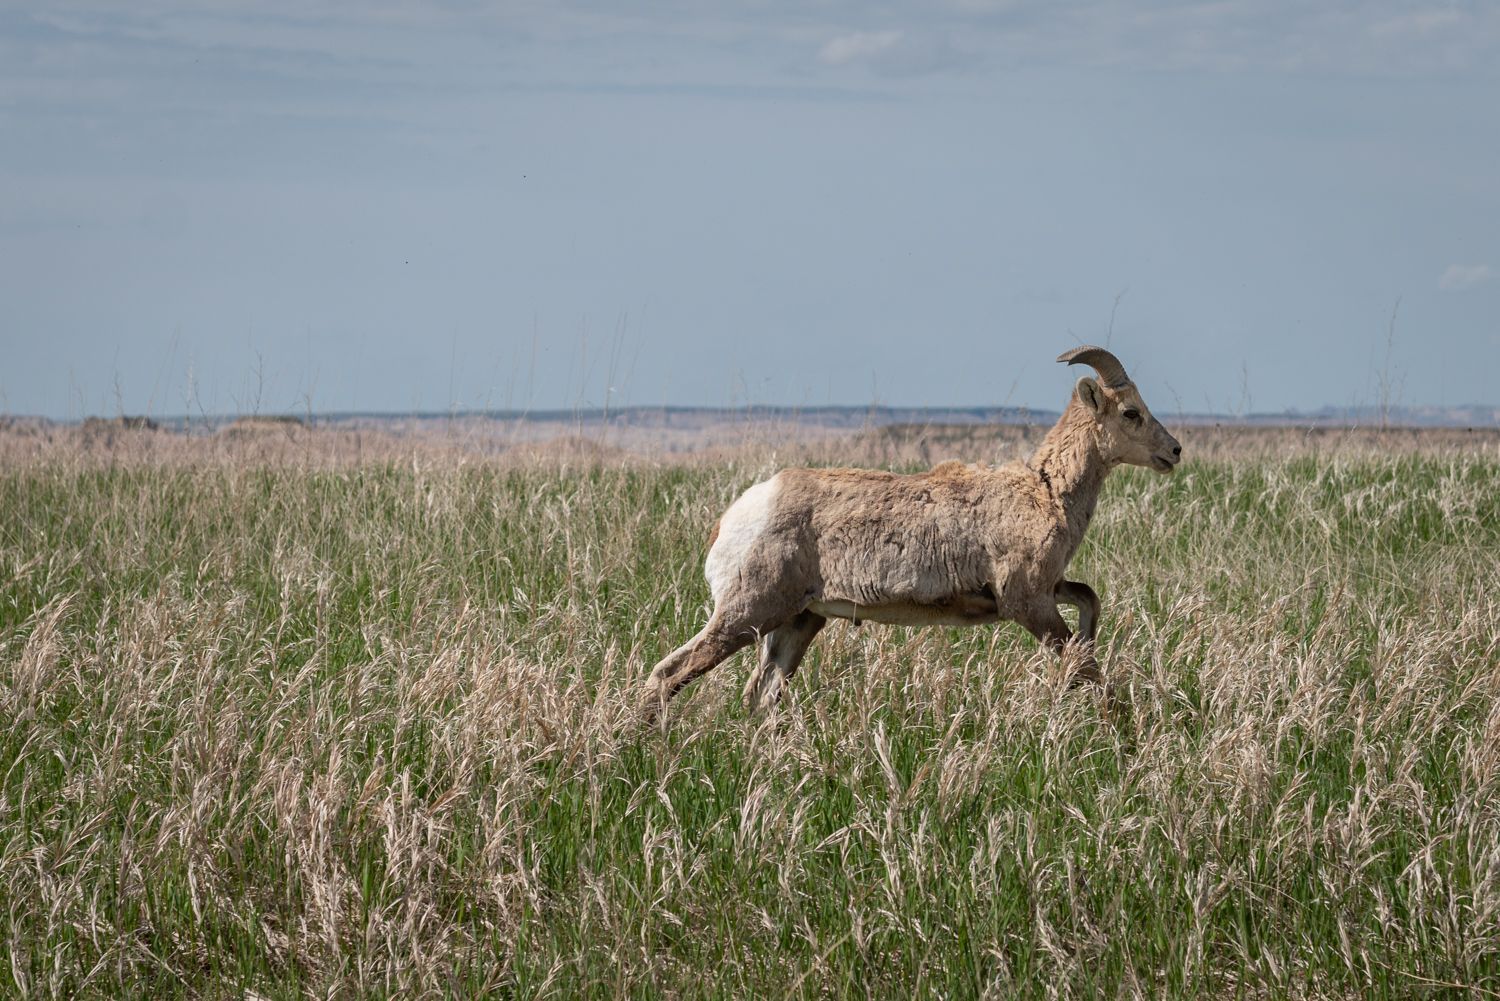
[{"x": 741, "y": 525}]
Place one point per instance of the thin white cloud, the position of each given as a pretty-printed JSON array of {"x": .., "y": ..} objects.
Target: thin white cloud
[
  {"x": 1418, "y": 23},
  {"x": 984, "y": 6},
  {"x": 858, "y": 46},
  {"x": 896, "y": 53},
  {"x": 1459, "y": 277}
]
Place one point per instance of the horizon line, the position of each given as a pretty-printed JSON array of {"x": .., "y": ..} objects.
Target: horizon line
[{"x": 1426, "y": 415}]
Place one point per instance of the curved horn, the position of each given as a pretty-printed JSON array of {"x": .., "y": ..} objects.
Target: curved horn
[{"x": 1106, "y": 364}]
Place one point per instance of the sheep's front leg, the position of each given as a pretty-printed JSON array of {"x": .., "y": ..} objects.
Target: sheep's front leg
[
  {"x": 1046, "y": 623},
  {"x": 699, "y": 655},
  {"x": 1083, "y": 598},
  {"x": 781, "y": 652}
]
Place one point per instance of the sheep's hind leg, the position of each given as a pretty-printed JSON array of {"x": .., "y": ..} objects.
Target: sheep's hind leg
[
  {"x": 1083, "y": 598},
  {"x": 781, "y": 652},
  {"x": 1046, "y": 623},
  {"x": 699, "y": 655}
]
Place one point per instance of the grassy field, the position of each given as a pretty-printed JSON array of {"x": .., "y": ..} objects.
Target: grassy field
[{"x": 324, "y": 724}]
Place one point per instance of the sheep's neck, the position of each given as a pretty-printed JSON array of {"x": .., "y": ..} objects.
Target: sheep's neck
[{"x": 1071, "y": 468}]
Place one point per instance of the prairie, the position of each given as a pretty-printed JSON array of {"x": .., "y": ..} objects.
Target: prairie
[{"x": 296, "y": 714}]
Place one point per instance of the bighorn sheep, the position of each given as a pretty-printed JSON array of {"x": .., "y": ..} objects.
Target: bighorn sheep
[{"x": 957, "y": 545}]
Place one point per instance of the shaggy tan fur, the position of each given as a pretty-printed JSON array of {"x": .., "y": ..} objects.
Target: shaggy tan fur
[{"x": 957, "y": 545}]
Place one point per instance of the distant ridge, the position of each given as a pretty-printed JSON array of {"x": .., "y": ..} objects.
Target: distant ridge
[{"x": 831, "y": 417}]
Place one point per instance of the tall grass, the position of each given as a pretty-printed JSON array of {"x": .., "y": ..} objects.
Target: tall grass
[{"x": 359, "y": 728}]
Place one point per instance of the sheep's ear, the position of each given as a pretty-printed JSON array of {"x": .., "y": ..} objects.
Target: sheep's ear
[{"x": 1090, "y": 393}]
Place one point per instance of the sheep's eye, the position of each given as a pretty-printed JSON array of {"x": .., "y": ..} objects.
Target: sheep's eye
[{"x": 1132, "y": 415}]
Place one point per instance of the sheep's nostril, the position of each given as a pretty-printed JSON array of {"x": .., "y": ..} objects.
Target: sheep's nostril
[{"x": 1177, "y": 450}]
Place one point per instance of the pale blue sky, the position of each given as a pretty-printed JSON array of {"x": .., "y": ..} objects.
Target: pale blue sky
[{"x": 372, "y": 206}]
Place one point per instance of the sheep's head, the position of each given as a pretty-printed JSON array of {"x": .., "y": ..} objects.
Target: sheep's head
[{"x": 1127, "y": 431}]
